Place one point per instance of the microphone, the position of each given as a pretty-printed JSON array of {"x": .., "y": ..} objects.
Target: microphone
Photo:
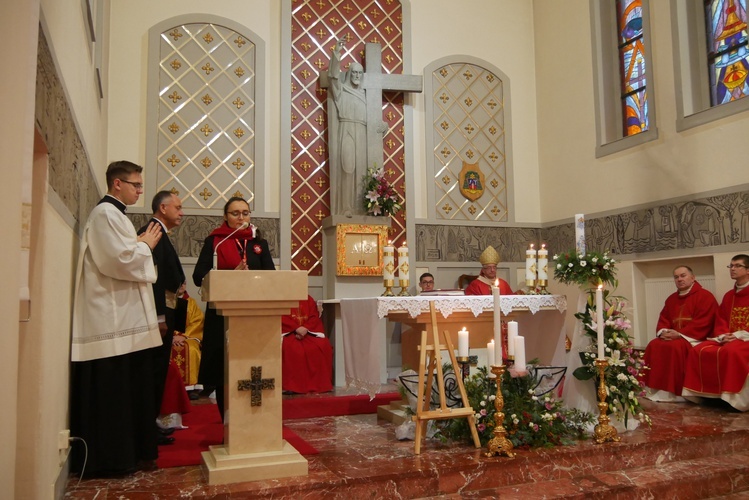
[{"x": 215, "y": 249}]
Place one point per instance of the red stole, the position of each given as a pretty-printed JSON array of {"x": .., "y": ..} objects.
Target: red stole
[{"x": 232, "y": 251}]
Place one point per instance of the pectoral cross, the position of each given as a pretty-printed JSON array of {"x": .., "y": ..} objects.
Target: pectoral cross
[{"x": 256, "y": 384}]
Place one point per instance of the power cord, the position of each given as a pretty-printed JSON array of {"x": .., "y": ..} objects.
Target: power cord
[{"x": 85, "y": 457}]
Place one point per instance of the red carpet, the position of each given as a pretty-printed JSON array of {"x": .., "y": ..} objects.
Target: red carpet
[
  {"x": 331, "y": 406},
  {"x": 205, "y": 429}
]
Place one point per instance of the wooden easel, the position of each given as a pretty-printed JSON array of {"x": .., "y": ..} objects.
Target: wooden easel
[{"x": 423, "y": 411}]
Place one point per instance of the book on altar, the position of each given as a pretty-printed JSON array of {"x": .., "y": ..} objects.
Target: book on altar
[{"x": 443, "y": 291}]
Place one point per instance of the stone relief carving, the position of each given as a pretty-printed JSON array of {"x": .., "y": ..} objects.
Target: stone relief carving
[
  {"x": 699, "y": 223},
  {"x": 188, "y": 237}
]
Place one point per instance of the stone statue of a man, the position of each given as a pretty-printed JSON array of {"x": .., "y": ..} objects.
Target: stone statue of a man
[{"x": 347, "y": 134}]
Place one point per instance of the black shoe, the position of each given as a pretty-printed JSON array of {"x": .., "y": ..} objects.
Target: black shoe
[
  {"x": 166, "y": 432},
  {"x": 164, "y": 440},
  {"x": 194, "y": 395}
]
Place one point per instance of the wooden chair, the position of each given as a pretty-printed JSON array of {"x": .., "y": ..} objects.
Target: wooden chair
[{"x": 465, "y": 279}]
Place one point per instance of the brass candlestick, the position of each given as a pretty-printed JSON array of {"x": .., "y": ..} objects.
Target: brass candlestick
[
  {"x": 465, "y": 366},
  {"x": 604, "y": 431},
  {"x": 404, "y": 289},
  {"x": 388, "y": 284},
  {"x": 542, "y": 284},
  {"x": 530, "y": 284},
  {"x": 499, "y": 444}
]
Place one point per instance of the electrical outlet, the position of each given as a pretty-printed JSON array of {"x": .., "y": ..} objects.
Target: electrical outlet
[{"x": 63, "y": 439}]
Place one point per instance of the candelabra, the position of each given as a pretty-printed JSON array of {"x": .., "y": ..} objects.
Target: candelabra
[
  {"x": 388, "y": 284},
  {"x": 499, "y": 445},
  {"x": 604, "y": 431}
]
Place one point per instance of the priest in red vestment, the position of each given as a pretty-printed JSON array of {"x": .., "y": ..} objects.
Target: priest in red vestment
[
  {"x": 719, "y": 367},
  {"x": 307, "y": 356},
  {"x": 686, "y": 320},
  {"x": 482, "y": 285}
]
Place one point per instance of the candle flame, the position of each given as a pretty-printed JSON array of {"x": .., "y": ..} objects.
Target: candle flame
[
  {"x": 600, "y": 287},
  {"x": 531, "y": 246},
  {"x": 543, "y": 245},
  {"x": 390, "y": 242},
  {"x": 496, "y": 282}
]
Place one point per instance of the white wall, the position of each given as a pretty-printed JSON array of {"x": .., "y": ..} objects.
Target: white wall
[
  {"x": 501, "y": 33},
  {"x": 131, "y": 20},
  {"x": 572, "y": 180}
]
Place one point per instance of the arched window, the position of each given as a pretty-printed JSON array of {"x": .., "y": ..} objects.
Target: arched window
[
  {"x": 727, "y": 51},
  {"x": 622, "y": 74},
  {"x": 711, "y": 60},
  {"x": 632, "y": 58}
]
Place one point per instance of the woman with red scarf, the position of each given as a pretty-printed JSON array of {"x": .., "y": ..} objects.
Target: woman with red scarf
[{"x": 240, "y": 250}]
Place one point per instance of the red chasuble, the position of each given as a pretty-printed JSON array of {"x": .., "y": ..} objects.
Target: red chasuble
[
  {"x": 478, "y": 287},
  {"x": 692, "y": 315},
  {"x": 714, "y": 368},
  {"x": 307, "y": 363}
]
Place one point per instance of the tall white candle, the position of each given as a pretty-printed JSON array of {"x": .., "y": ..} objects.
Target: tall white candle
[
  {"x": 512, "y": 333},
  {"x": 497, "y": 323},
  {"x": 403, "y": 265},
  {"x": 599, "y": 320},
  {"x": 543, "y": 263},
  {"x": 580, "y": 233},
  {"x": 490, "y": 353},
  {"x": 519, "y": 353},
  {"x": 530, "y": 265},
  {"x": 463, "y": 343},
  {"x": 388, "y": 262}
]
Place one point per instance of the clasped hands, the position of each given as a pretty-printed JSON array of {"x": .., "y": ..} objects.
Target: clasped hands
[
  {"x": 151, "y": 235},
  {"x": 300, "y": 332}
]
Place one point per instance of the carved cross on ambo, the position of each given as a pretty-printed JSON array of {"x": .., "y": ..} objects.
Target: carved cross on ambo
[{"x": 255, "y": 385}]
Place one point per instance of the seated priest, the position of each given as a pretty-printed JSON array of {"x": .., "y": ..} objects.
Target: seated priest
[
  {"x": 482, "y": 285},
  {"x": 306, "y": 355},
  {"x": 187, "y": 340},
  {"x": 686, "y": 320},
  {"x": 719, "y": 367}
]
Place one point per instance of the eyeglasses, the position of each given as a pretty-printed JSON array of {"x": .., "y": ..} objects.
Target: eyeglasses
[
  {"x": 731, "y": 266},
  {"x": 237, "y": 213},
  {"x": 136, "y": 185},
  {"x": 430, "y": 282}
]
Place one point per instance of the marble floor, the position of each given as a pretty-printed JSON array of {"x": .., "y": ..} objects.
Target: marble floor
[{"x": 691, "y": 451}]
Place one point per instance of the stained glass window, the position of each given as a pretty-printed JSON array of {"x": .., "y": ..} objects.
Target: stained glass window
[
  {"x": 727, "y": 51},
  {"x": 632, "y": 66}
]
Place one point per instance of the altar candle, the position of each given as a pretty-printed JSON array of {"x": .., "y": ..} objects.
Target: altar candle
[
  {"x": 530, "y": 265},
  {"x": 599, "y": 320},
  {"x": 497, "y": 323},
  {"x": 519, "y": 353},
  {"x": 512, "y": 333},
  {"x": 403, "y": 265},
  {"x": 580, "y": 233},
  {"x": 463, "y": 343},
  {"x": 543, "y": 263},
  {"x": 388, "y": 262},
  {"x": 490, "y": 353}
]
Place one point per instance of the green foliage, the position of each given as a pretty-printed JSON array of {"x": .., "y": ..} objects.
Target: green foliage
[
  {"x": 380, "y": 197},
  {"x": 530, "y": 421},
  {"x": 591, "y": 268},
  {"x": 622, "y": 376}
]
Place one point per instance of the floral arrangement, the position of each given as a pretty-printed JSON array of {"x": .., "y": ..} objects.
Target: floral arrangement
[
  {"x": 622, "y": 377},
  {"x": 530, "y": 420},
  {"x": 591, "y": 268},
  {"x": 380, "y": 197}
]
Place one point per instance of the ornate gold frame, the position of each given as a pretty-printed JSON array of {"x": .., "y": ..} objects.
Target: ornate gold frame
[{"x": 346, "y": 236}]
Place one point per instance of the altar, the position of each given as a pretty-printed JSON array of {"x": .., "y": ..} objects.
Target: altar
[{"x": 362, "y": 353}]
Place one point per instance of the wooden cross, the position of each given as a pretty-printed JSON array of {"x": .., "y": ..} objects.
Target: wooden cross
[{"x": 256, "y": 384}]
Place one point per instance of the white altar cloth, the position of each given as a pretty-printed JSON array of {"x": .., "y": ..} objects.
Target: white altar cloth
[{"x": 543, "y": 333}]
